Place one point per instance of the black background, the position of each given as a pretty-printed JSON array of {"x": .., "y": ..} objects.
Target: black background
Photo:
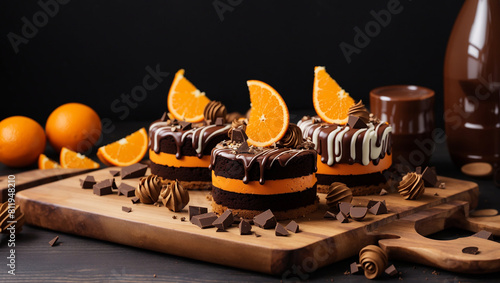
[{"x": 93, "y": 51}]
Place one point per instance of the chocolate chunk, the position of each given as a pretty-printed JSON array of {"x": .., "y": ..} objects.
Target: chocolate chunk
[
  {"x": 135, "y": 200},
  {"x": 126, "y": 209},
  {"x": 378, "y": 208},
  {"x": 279, "y": 230},
  {"x": 104, "y": 187},
  {"x": 88, "y": 182},
  {"x": 225, "y": 220},
  {"x": 358, "y": 212},
  {"x": 483, "y": 234},
  {"x": 164, "y": 117},
  {"x": 383, "y": 192},
  {"x": 174, "y": 216},
  {"x": 204, "y": 220},
  {"x": 442, "y": 186},
  {"x": 53, "y": 242},
  {"x": 220, "y": 230},
  {"x": 183, "y": 219},
  {"x": 330, "y": 215},
  {"x": 114, "y": 173},
  {"x": 196, "y": 210},
  {"x": 134, "y": 171},
  {"x": 185, "y": 125},
  {"x": 354, "y": 268},
  {"x": 345, "y": 207},
  {"x": 126, "y": 190},
  {"x": 236, "y": 219},
  {"x": 391, "y": 270},
  {"x": 243, "y": 148},
  {"x": 257, "y": 235},
  {"x": 220, "y": 121},
  {"x": 418, "y": 170},
  {"x": 342, "y": 217},
  {"x": 265, "y": 220},
  {"x": 471, "y": 250},
  {"x": 356, "y": 123},
  {"x": 430, "y": 178},
  {"x": 292, "y": 226},
  {"x": 245, "y": 227},
  {"x": 238, "y": 135}
]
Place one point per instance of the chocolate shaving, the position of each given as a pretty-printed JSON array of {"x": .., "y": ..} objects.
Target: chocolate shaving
[
  {"x": 214, "y": 110},
  {"x": 53, "y": 242},
  {"x": 126, "y": 209},
  {"x": 88, "y": 182},
  {"x": 292, "y": 226},
  {"x": 164, "y": 117},
  {"x": 337, "y": 193},
  {"x": 471, "y": 250},
  {"x": 342, "y": 217},
  {"x": 185, "y": 126},
  {"x": 358, "y": 213},
  {"x": 224, "y": 221},
  {"x": 356, "y": 123},
  {"x": 330, "y": 215},
  {"x": 345, "y": 207},
  {"x": 279, "y": 230},
  {"x": 430, "y": 177},
  {"x": 114, "y": 173},
  {"x": 245, "y": 227},
  {"x": 354, "y": 267},
  {"x": 265, "y": 220},
  {"x": 104, "y": 187},
  {"x": 243, "y": 148},
  {"x": 204, "y": 220},
  {"x": 134, "y": 171},
  {"x": 196, "y": 210},
  {"x": 238, "y": 135},
  {"x": 126, "y": 190},
  {"x": 293, "y": 137},
  {"x": 391, "y": 270},
  {"x": 378, "y": 208},
  {"x": 411, "y": 186},
  {"x": 359, "y": 110}
]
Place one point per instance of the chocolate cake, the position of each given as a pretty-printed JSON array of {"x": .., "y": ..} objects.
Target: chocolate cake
[
  {"x": 249, "y": 180},
  {"x": 181, "y": 150},
  {"x": 356, "y": 154}
]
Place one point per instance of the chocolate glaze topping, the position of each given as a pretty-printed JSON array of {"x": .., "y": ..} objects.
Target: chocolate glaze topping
[
  {"x": 200, "y": 134},
  {"x": 341, "y": 144},
  {"x": 263, "y": 157}
]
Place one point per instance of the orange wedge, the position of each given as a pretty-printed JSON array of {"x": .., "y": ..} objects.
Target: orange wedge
[
  {"x": 269, "y": 117},
  {"x": 185, "y": 101},
  {"x": 331, "y": 102},
  {"x": 46, "y": 163},
  {"x": 126, "y": 151},
  {"x": 72, "y": 159}
]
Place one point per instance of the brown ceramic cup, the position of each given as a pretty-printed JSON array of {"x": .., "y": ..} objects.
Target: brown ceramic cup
[{"x": 409, "y": 109}]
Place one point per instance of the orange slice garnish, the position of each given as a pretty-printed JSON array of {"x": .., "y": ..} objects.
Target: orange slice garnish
[
  {"x": 331, "y": 102},
  {"x": 269, "y": 116},
  {"x": 126, "y": 151},
  {"x": 46, "y": 163},
  {"x": 72, "y": 159},
  {"x": 185, "y": 101}
]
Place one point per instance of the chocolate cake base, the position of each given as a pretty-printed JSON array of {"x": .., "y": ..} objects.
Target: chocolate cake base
[
  {"x": 280, "y": 215},
  {"x": 360, "y": 185},
  {"x": 193, "y": 178}
]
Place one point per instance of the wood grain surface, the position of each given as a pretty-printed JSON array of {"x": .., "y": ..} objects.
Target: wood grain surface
[
  {"x": 64, "y": 206},
  {"x": 37, "y": 177}
]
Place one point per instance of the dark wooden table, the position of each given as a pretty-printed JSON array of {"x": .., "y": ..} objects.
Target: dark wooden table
[{"x": 82, "y": 259}]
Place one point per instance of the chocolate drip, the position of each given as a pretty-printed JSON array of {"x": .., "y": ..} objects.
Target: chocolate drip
[
  {"x": 264, "y": 158},
  {"x": 200, "y": 135},
  {"x": 340, "y": 143}
]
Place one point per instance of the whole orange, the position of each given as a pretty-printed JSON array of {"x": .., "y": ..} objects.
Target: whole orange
[
  {"x": 73, "y": 125},
  {"x": 22, "y": 140}
]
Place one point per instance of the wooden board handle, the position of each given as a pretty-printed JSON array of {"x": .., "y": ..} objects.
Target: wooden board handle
[{"x": 408, "y": 243}]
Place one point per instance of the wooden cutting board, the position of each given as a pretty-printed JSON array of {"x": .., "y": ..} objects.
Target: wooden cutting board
[{"x": 64, "y": 206}]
